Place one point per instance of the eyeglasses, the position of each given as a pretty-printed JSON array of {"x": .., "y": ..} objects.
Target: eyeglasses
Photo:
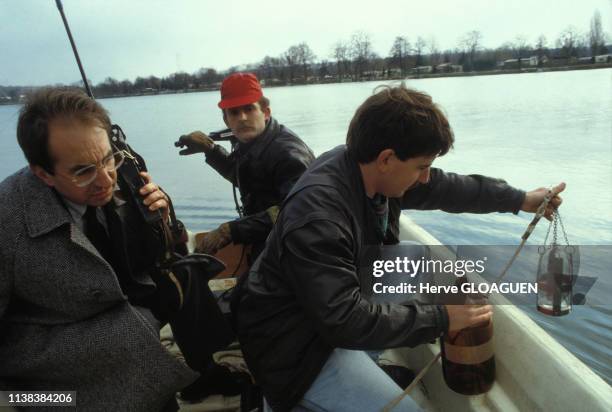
[{"x": 85, "y": 175}]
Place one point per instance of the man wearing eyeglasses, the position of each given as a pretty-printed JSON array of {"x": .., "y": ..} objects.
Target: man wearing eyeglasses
[{"x": 75, "y": 314}]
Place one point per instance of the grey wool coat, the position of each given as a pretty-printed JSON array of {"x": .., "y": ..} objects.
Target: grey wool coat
[{"x": 64, "y": 322}]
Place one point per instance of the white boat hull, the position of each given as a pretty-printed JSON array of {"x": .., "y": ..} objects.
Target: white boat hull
[{"x": 533, "y": 371}]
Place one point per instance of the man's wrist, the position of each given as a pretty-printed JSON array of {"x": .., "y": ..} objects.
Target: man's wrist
[{"x": 208, "y": 148}]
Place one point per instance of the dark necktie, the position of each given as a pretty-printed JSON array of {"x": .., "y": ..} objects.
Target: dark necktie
[
  {"x": 100, "y": 238},
  {"x": 97, "y": 234}
]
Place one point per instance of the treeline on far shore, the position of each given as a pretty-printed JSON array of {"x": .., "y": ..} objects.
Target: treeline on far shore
[
  {"x": 355, "y": 60},
  {"x": 126, "y": 90}
]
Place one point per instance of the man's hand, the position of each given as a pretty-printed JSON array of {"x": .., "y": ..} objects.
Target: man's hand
[
  {"x": 464, "y": 316},
  {"x": 215, "y": 240},
  {"x": 196, "y": 142},
  {"x": 154, "y": 197},
  {"x": 535, "y": 198}
]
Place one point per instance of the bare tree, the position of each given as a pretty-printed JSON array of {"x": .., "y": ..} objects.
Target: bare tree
[
  {"x": 108, "y": 87},
  {"x": 291, "y": 60},
  {"x": 375, "y": 64},
  {"x": 505, "y": 51},
  {"x": 155, "y": 82},
  {"x": 206, "y": 76},
  {"x": 399, "y": 53},
  {"x": 305, "y": 57},
  {"x": 434, "y": 52},
  {"x": 140, "y": 84},
  {"x": 597, "y": 37},
  {"x": 568, "y": 42},
  {"x": 341, "y": 53},
  {"x": 361, "y": 51},
  {"x": 267, "y": 68},
  {"x": 323, "y": 70},
  {"x": 541, "y": 49},
  {"x": 519, "y": 47},
  {"x": 419, "y": 46},
  {"x": 448, "y": 55},
  {"x": 582, "y": 45},
  {"x": 470, "y": 44},
  {"x": 126, "y": 86}
]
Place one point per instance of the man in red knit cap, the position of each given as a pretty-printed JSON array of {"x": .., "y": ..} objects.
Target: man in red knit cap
[{"x": 267, "y": 160}]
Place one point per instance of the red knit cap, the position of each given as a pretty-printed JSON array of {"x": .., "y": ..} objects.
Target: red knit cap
[{"x": 239, "y": 89}]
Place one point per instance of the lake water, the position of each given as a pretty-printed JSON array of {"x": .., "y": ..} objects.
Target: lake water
[{"x": 530, "y": 129}]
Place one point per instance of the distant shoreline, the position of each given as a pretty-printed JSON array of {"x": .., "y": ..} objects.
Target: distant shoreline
[{"x": 378, "y": 79}]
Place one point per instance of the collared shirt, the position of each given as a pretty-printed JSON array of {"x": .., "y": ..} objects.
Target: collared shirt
[{"x": 77, "y": 212}]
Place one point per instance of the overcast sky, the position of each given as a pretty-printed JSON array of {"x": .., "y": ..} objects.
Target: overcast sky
[{"x": 127, "y": 38}]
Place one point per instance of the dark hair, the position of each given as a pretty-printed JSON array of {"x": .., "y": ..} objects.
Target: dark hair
[
  {"x": 402, "y": 119},
  {"x": 47, "y": 105},
  {"x": 264, "y": 102}
]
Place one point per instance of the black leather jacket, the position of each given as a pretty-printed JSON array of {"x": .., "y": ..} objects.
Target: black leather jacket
[
  {"x": 264, "y": 170},
  {"x": 302, "y": 297}
]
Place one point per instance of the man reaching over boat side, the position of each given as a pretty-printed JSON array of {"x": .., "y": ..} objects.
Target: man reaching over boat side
[
  {"x": 268, "y": 159},
  {"x": 82, "y": 298},
  {"x": 302, "y": 321}
]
